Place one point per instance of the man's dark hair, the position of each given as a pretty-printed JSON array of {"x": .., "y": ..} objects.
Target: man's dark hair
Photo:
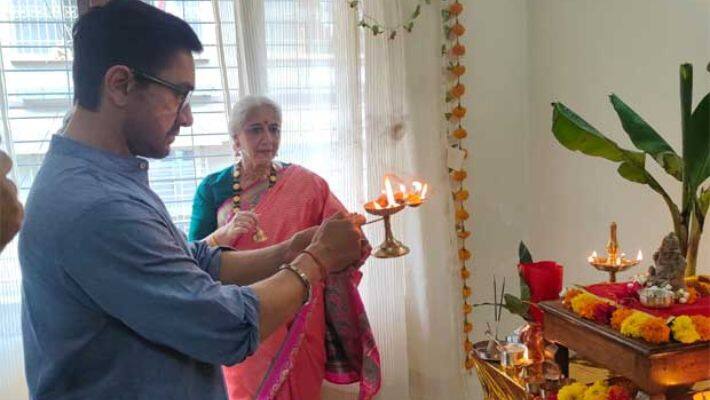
[{"x": 124, "y": 32}]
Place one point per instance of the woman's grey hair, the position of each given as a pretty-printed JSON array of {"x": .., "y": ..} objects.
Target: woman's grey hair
[{"x": 243, "y": 108}]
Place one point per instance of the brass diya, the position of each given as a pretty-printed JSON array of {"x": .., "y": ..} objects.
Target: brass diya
[
  {"x": 391, "y": 247},
  {"x": 389, "y": 203},
  {"x": 615, "y": 261}
]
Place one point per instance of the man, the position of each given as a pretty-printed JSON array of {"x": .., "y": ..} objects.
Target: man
[
  {"x": 10, "y": 207},
  {"x": 116, "y": 304}
]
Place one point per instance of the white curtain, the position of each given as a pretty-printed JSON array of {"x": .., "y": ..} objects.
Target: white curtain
[{"x": 357, "y": 107}]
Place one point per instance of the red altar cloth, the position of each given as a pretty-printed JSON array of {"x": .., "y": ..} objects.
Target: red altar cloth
[{"x": 626, "y": 296}]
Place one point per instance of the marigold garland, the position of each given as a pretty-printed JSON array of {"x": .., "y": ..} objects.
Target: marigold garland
[
  {"x": 638, "y": 324},
  {"x": 452, "y": 51}
]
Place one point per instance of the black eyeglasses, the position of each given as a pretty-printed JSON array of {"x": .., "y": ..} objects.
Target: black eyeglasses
[{"x": 183, "y": 93}]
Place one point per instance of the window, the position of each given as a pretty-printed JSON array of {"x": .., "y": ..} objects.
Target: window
[{"x": 36, "y": 56}]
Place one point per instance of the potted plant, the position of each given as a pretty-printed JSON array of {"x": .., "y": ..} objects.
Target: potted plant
[{"x": 691, "y": 170}]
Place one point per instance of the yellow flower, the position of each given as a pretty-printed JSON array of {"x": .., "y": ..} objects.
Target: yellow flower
[
  {"x": 633, "y": 323},
  {"x": 684, "y": 330},
  {"x": 574, "y": 391},
  {"x": 598, "y": 391},
  {"x": 581, "y": 301}
]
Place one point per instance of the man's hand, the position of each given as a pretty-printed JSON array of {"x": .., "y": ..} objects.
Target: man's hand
[
  {"x": 298, "y": 243},
  {"x": 11, "y": 212},
  {"x": 337, "y": 243}
]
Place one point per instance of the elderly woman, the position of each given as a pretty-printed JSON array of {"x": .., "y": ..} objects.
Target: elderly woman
[{"x": 258, "y": 202}]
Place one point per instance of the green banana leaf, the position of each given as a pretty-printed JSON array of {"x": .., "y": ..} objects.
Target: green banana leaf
[
  {"x": 704, "y": 201},
  {"x": 645, "y": 138},
  {"x": 698, "y": 141},
  {"x": 576, "y": 134}
]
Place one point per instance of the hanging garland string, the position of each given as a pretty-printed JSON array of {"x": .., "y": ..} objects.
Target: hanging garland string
[
  {"x": 452, "y": 51},
  {"x": 376, "y": 27}
]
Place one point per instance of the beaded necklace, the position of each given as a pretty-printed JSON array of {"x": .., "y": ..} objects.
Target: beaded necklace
[{"x": 238, "y": 188}]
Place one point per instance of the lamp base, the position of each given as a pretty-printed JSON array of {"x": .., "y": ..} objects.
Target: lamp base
[{"x": 390, "y": 249}]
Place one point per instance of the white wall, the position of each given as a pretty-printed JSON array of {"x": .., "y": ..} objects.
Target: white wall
[
  {"x": 497, "y": 99},
  {"x": 522, "y": 56},
  {"x": 580, "y": 52}
]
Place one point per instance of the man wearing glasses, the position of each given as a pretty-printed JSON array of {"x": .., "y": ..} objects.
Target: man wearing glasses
[{"x": 116, "y": 303}]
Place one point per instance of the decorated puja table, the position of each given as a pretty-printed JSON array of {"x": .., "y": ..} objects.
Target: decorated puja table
[{"x": 658, "y": 369}]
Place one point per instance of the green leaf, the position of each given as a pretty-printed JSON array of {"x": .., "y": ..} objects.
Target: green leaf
[
  {"x": 524, "y": 289},
  {"x": 698, "y": 142},
  {"x": 447, "y": 116},
  {"x": 393, "y": 35},
  {"x": 417, "y": 11},
  {"x": 577, "y": 134},
  {"x": 354, "y": 3},
  {"x": 408, "y": 27},
  {"x": 515, "y": 305},
  {"x": 446, "y": 15},
  {"x": 704, "y": 201},
  {"x": 633, "y": 173},
  {"x": 524, "y": 255},
  {"x": 645, "y": 138},
  {"x": 376, "y": 30}
]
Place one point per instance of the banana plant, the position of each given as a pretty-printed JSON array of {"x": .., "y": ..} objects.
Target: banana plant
[{"x": 691, "y": 168}]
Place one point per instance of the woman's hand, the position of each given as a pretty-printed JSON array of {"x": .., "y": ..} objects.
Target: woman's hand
[{"x": 241, "y": 223}]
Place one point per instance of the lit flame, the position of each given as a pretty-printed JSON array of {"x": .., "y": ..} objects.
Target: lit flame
[
  {"x": 390, "y": 193},
  {"x": 593, "y": 257},
  {"x": 639, "y": 256},
  {"x": 424, "y": 190}
]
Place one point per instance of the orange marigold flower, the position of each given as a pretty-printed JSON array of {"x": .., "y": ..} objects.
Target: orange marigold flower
[
  {"x": 458, "y": 90},
  {"x": 465, "y": 274},
  {"x": 655, "y": 331},
  {"x": 693, "y": 295},
  {"x": 458, "y": 70},
  {"x": 464, "y": 254},
  {"x": 458, "y": 29},
  {"x": 569, "y": 295},
  {"x": 467, "y": 327},
  {"x": 586, "y": 310},
  {"x": 463, "y": 234},
  {"x": 456, "y": 8},
  {"x": 702, "y": 326},
  {"x": 467, "y": 345},
  {"x": 458, "y": 49},
  {"x": 461, "y": 195},
  {"x": 459, "y": 133},
  {"x": 467, "y": 308},
  {"x": 619, "y": 316},
  {"x": 461, "y": 214},
  {"x": 466, "y": 291},
  {"x": 458, "y": 175},
  {"x": 459, "y": 112}
]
